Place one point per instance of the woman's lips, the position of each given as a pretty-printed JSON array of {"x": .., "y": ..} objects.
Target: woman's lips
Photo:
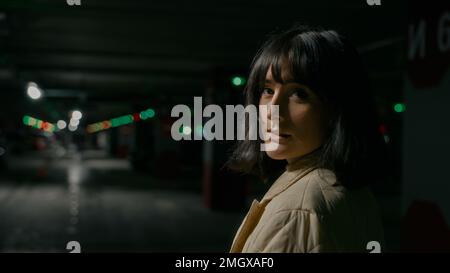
[{"x": 279, "y": 137}]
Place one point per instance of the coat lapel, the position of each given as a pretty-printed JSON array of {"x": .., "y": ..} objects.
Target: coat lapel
[
  {"x": 289, "y": 177},
  {"x": 247, "y": 226}
]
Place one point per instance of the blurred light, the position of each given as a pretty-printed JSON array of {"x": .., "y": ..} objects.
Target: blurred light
[
  {"x": 26, "y": 120},
  {"x": 399, "y": 107},
  {"x": 61, "y": 124},
  {"x": 149, "y": 113},
  {"x": 382, "y": 129},
  {"x": 38, "y": 124},
  {"x": 46, "y": 126},
  {"x": 72, "y": 128},
  {"x": 187, "y": 130},
  {"x": 77, "y": 114},
  {"x": 136, "y": 117},
  {"x": 92, "y": 128},
  {"x": 33, "y": 91},
  {"x": 123, "y": 120},
  {"x": 386, "y": 138},
  {"x": 106, "y": 125},
  {"x": 120, "y": 121},
  {"x": 238, "y": 81},
  {"x": 2, "y": 151},
  {"x": 74, "y": 122}
]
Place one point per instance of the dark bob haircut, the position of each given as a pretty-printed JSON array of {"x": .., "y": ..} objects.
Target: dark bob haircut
[{"x": 331, "y": 67}]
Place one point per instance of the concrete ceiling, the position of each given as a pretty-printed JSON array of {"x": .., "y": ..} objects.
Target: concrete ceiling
[{"x": 116, "y": 49}]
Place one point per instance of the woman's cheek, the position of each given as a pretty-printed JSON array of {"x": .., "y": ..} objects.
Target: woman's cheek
[
  {"x": 311, "y": 131},
  {"x": 263, "y": 115},
  {"x": 299, "y": 120},
  {"x": 262, "y": 125}
]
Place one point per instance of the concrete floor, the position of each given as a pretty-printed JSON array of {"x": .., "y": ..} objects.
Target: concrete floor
[{"x": 47, "y": 201}]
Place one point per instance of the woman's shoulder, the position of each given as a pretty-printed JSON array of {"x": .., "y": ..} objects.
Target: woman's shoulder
[{"x": 317, "y": 192}]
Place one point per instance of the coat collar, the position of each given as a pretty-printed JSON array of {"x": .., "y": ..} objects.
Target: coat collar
[
  {"x": 294, "y": 172},
  {"x": 289, "y": 177},
  {"x": 285, "y": 181}
]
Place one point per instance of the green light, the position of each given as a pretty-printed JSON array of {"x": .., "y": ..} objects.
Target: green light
[
  {"x": 32, "y": 121},
  {"x": 115, "y": 122},
  {"x": 238, "y": 81},
  {"x": 38, "y": 124},
  {"x": 399, "y": 107},
  {"x": 26, "y": 120},
  {"x": 149, "y": 113}
]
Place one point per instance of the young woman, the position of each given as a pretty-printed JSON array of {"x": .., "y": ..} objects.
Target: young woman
[{"x": 329, "y": 148}]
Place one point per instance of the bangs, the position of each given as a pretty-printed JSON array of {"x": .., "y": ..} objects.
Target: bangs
[{"x": 287, "y": 59}]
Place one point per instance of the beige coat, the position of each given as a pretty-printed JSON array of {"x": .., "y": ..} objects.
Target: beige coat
[{"x": 306, "y": 210}]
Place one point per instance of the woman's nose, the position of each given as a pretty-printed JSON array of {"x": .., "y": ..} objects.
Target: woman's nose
[{"x": 276, "y": 113}]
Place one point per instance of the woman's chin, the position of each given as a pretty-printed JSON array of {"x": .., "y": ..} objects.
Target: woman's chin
[{"x": 277, "y": 154}]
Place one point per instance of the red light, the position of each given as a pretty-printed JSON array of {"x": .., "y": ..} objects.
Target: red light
[
  {"x": 382, "y": 129},
  {"x": 106, "y": 124},
  {"x": 136, "y": 117}
]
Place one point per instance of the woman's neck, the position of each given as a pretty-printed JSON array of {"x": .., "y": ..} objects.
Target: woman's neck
[{"x": 306, "y": 159}]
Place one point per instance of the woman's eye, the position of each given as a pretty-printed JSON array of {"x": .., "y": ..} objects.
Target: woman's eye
[
  {"x": 300, "y": 93},
  {"x": 267, "y": 91}
]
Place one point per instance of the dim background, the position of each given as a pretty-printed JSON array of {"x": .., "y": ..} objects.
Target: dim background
[{"x": 86, "y": 93}]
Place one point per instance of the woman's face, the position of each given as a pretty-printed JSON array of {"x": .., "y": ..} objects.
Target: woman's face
[{"x": 302, "y": 118}]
